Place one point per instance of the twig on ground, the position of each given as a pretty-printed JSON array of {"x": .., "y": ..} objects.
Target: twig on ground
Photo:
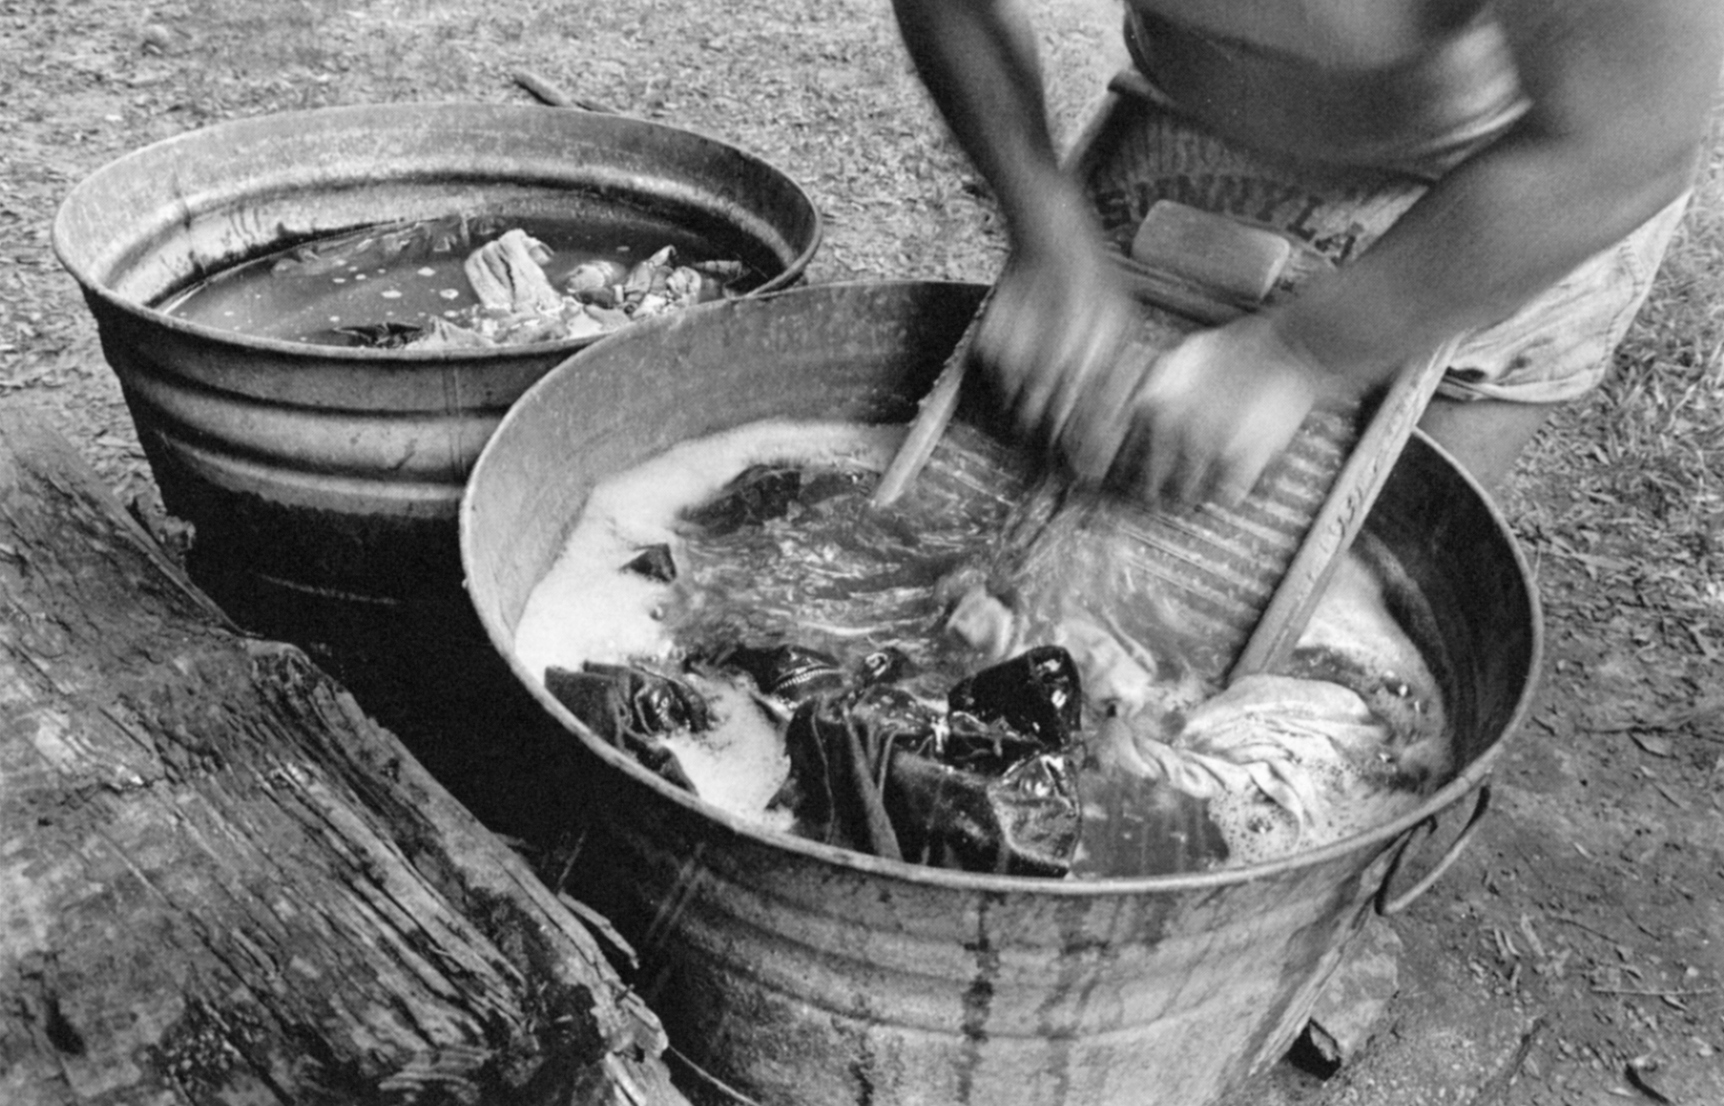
[
  {"x": 547, "y": 93},
  {"x": 1497, "y": 1086}
]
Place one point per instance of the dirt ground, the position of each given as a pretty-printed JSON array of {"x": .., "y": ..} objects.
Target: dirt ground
[{"x": 1575, "y": 953}]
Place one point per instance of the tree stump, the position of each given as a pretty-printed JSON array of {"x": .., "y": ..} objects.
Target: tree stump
[{"x": 220, "y": 882}]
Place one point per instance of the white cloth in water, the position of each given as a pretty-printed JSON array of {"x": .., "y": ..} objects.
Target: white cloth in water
[
  {"x": 1286, "y": 764},
  {"x": 506, "y": 275}
]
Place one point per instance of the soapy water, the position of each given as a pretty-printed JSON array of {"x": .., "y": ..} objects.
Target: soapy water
[
  {"x": 1351, "y": 736},
  {"x": 586, "y": 609}
]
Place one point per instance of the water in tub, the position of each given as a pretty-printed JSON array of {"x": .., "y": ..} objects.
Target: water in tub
[
  {"x": 1280, "y": 762},
  {"x": 460, "y": 281}
]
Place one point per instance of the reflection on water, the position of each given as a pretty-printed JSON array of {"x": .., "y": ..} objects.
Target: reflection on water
[
  {"x": 422, "y": 284},
  {"x": 898, "y": 681}
]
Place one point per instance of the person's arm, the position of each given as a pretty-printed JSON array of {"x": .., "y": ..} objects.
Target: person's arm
[
  {"x": 1620, "y": 91},
  {"x": 977, "y": 59},
  {"x": 1060, "y": 312}
]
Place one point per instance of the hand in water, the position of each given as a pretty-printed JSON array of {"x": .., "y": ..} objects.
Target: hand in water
[{"x": 1198, "y": 421}]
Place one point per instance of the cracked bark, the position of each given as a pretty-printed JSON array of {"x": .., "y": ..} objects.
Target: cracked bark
[{"x": 219, "y": 881}]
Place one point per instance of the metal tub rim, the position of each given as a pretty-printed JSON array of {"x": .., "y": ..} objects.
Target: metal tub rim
[
  {"x": 1469, "y": 780},
  {"x": 94, "y": 273}
]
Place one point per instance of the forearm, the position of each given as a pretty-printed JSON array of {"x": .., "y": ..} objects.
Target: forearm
[
  {"x": 1619, "y": 92},
  {"x": 978, "y": 60},
  {"x": 1477, "y": 246}
]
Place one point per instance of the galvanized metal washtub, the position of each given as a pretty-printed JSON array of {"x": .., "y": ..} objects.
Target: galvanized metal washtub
[
  {"x": 314, "y": 472},
  {"x": 795, "y": 973}
]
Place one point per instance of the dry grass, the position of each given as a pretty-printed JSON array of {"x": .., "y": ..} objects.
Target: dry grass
[
  {"x": 1628, "y": 485},
  {"x": 1631, "y": 475}
]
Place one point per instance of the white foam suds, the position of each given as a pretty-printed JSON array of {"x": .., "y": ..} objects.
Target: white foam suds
[
  {"x": 588, "y": 609},
  {"x": 639, "y": 508},
  {"x": 585, "y": 609}
]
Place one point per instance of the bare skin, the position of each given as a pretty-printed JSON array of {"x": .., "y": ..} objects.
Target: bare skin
[{"x": 1619, "y": 91}]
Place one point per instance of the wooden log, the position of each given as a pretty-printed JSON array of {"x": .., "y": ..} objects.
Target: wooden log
[{"x": 220, "y": 882}]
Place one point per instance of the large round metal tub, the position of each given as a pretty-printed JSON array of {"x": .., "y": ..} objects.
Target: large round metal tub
[
  {"x": 312, "y": 471},
  {"x": 800, "y": 974}
]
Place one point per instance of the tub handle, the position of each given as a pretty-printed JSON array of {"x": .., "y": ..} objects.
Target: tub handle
[{"x": 1388, "y": 907}]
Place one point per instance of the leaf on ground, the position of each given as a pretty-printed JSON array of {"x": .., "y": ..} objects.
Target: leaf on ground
[{"x": 1657, "y": 745}]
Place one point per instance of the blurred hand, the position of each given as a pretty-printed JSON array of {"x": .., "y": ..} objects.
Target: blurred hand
[
  {"x": 1057, "y": 325},
  {"x": 1213, "y": 411},
  {"x": 1199, "y": 421}
]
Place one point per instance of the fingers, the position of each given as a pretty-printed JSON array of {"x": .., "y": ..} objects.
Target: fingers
[
  {"x": 1008, "y": 343},
  {"x": 1237, "y": 471},
  {"x": 1174, "y": 440},
  {"x": 1047, "y": 351},
  {"x": 1098, "y": 429},
  {"x": 1199, "y": 422},
  {"x": 1060, "y": 378},
  {"x": 1206, "y": 461},
  {"x": 1087, "y": 355},
  {"x": 1210, "y": 419},
  {"x": 1164, "y": 456}
]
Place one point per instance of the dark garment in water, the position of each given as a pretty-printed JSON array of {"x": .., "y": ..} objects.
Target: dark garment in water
[
  {"x": 1139, "y": 827},
  {"x": 655, "y": 563},
  {"x": 876, "y": 770},
  {"x": 380, "y": 335},
  {"x": 1025, "y": 822},
  {"x": 1037, "y": 691},
  {"x": 760, "y": 493},
  {"x": 789, "y": 672},
  {"x": 632, "y": 709}
]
